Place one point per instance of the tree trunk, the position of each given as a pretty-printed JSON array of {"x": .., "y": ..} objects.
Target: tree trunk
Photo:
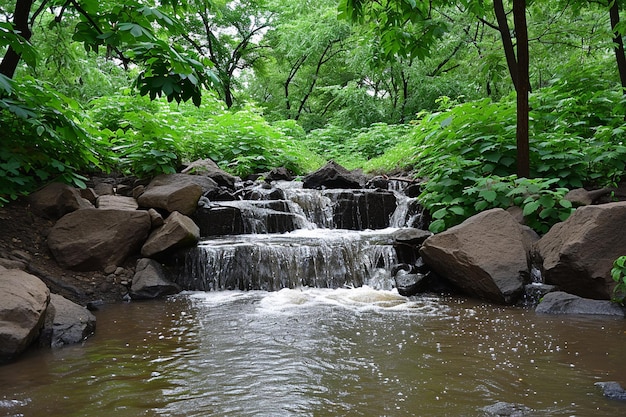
[
  {"x": 618, "y": 44},
  {"x": 521, "y": 30},
  {"x": 507, "y": 43},
  {"x": 20, "y": 22}
]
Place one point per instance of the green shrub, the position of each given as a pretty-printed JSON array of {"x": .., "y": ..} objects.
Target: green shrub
[{"x": 618, "y": 273}]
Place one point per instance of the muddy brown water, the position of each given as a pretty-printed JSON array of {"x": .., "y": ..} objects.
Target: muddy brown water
[{"x": 319, "y": 352}]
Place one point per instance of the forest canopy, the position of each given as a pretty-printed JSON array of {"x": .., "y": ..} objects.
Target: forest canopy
[{"x": 492, "y": 103}]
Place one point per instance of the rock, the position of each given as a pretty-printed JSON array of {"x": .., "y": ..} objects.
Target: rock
[
  {"x": 23, "y": 302},
  {"x": 56, "y": 200},
  {"x": 155, "y": 218},
  {"x": 485, "y": 256},
  {"x": 533, "y": 293},
  {"x": 409, "y": 284},
  {"x": 219, "y": 221},
  {"x": 177, "y": 232},
  {"x": 150, "y": 281},
  {"x": 504, "y": 409},
  {"x": 612, "y": 390},
  {"x": 279, "y": 174},
  {"x": 582, "y": 197},
  {"x": 407, "y": 243},
  {"x": 560, "y": 302},
  {"x": 94, "y": 239},
  {"x": 12, "y": 264},
  {"x": 67, "y": 323},
  {"x": 114, "y": 202},
  {"x": 333, "y": 175},
  {"x": 577, "y": 255},
  {"x": 360, "y": 210},
  {"x": 104, "y": 187},
  {"x": 208, "y": 168},
  {"x": 89, "y": 194},
  {"x": 176, "y": 192}
]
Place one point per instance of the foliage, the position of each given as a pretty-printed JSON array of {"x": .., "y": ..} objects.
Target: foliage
[
  {"x": 618, "y": 273},
  {"x": 153, "y": 137},
  {"x": 43, "y": 139},
  {"x": 467, "y": 151}
]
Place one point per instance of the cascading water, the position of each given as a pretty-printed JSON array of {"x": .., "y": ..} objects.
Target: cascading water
[{"x": 308, "y": 238}]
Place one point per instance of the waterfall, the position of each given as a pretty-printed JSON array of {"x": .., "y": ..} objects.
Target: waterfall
[{"x": 289, "y": 237}]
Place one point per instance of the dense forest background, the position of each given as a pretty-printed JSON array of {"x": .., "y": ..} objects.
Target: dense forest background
[{"x": 438, "y": 90}]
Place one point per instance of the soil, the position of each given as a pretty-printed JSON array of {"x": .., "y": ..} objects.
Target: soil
[{"x": 23, "y": 245}]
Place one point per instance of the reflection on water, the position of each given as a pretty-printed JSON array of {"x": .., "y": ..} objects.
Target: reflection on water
[{"x": 320, "y": 352}]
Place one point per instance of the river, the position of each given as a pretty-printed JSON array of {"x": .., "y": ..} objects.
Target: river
[{"x": 321, "y": 352}]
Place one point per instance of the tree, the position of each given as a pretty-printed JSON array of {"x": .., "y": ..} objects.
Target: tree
[
  {"x": 131, "y": 31},
  {"x": 410, "y": 28},
  {"x": 230, "y": 34}
]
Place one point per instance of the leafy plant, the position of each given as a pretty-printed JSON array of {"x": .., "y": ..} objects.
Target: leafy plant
[{"x": 618, "y": 273}]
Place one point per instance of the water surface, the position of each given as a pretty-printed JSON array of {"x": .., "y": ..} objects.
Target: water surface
[{"x": 321, "y": 352}]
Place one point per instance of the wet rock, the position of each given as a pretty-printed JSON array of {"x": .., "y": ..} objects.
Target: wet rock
[
  {"x": 533, "y": 293},
  {"x": 333, "y": 175},
  {"x": 409, "y": 284},
  {"x": 176, "y": 192},
  {"x": 577, "y": 255},
  {"x": 150, "y": 281},
  {"x": 208, "y": 168},
  {"x": 114, "y": 202},
  {"x": 220, "y": 194},
  {"x": 178, "y": 231},
  {"x": 407, "y": 243},
  {"x": 360, "y": 210},
  {"x": 612, "y": 390},
  {"x": 94, "y": 239},
  {"x": 486, "y": 256},
  {"x": 23, "y": 302},
  {"x": 218, "y": 221},
  {"x": 66, "y": 323},
  {"x": 378, "y": 182},
  {"x": 560, "y": 302},
  {"x": 503, "y": 409},
  {"x": 56, "y": 200}
]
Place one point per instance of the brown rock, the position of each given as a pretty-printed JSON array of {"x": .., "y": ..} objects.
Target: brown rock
[
  {"x": 23, "y": 302},
  {"x": 208, "y": 168},
  {"x": 178, "y": 231},
  {"x": 95, "y": 239},
  {"x": 176, "y": 192},
  {"x": 67, "y": 323},
  {"x": 150, "y": 281},
  {"x": 114, "y": 202},
  {"x": 577, "y": 255},
  {"x": 486, "y": 256},
  {"x": 56, "y": 200}
]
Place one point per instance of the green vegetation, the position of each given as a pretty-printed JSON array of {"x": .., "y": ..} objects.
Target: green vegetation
[
  {"x": 402, "y": 87},
  {"x": 618, "y": 272}
]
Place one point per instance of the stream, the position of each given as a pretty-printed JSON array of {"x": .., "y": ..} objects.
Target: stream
[
  {"x": 306, "y": 322},
  {"x": 321, "y": 352}
]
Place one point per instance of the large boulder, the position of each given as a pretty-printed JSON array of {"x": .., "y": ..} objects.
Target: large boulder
[
  {"x": 56, "y": 200},
  {"x": 178, "y": 231},
  {"x": 150, "y": 281},
  {"x": 560, "y": 302},
  {"x": 176, "y": 192},
  {"x": 94, "y": 239},
  {"x": 23, "y": 302},
  {"x": 66, "y": 323},
  {"x": 333, "y": 175},
  {"x": 577, "y": 255},
  {"x": 486, "y": 256},
  {"x": 208, "y": 168}
]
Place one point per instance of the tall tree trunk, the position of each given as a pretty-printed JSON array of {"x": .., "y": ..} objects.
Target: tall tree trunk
[
  {"x": 20, "y": 22},
  {"x": 618, "y": 44},
  {"x": 521, "y": 30},
  {"x": 507, "y": 43}
]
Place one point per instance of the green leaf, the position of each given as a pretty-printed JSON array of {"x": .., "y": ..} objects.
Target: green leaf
[{"x": 530, "y": 208}]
